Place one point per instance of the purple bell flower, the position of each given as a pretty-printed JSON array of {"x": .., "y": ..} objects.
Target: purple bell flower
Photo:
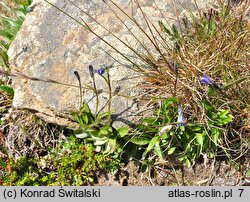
[
  {"x": 206, "y": 80},
  {"x": 101, "y": 71},
  {"x": 181, "y": 118}
]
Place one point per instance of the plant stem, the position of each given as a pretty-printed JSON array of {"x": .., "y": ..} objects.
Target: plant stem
[
  {"x": 110, "y": 97},
  {"x": 80, "y": 88},
  {"x": 97, "y": 98},
  {"x": 107, "y": 80}
]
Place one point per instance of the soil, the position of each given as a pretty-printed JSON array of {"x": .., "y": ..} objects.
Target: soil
[{"x": 214, "y": 173}]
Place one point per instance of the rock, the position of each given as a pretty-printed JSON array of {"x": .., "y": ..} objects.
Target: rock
[{"x": 51, "y": 46}]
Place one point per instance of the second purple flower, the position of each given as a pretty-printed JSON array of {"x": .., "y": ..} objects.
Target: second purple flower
[{"x": 206, "y": 80}]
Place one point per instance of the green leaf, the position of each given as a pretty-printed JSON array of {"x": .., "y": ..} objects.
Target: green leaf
[
  {"x": 152, "y": 143},
  {"x": 97, "y": 136},
  {"x": 182, "y": 157},
  {"x": 140, "y": 140},
  {"x": 171, "y": 150},
  {"x": 188, "y": 163},
  {"x": 102, "y": 115},
  {"x": 104, "y": 131},
  {"x": 164, "y": 136},
  {"x": 199, "y": 137},
  {"x": 75, "y": 117},
  {"x": 122, "y": 131},
  {"x": 158, "y": 150},
  {"x": 199, "y": 150},
  {"x": 91, "y": 130},
  {"x": 82, "y": 135},
  {"x": 164, "y": 29},
  {"x": 207, "y": 105},
  {"x": 149, "y": 120},
  {"x": 175, "y": 32},
  {"x": 85, "y": 108},
  {"x": 100, "y": 142},
  {"x": 223, "y": 113},
  {"x": 211, "y": 155},
  {"x": 223, "y": 117},
  {"x": 215, "y": 135},
  {"x": 13, "y": 23},
  {"x": 110, "y": 146},
  {"x": 7, "y": 89},
  {"x": 85, "y": 118},
  {"x": 167, "y": 102},
  {"x": 195, "y": 128}
]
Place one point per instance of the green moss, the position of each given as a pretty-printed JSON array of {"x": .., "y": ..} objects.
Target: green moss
[{"x": 71, "y": 163}]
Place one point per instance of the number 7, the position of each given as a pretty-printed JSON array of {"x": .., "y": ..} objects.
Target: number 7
[{"x": 241, "y": 191}]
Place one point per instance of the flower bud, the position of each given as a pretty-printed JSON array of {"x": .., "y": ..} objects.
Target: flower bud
[
  {"x": 77, "y": 75},
  {"x": 91, "y": 71}
]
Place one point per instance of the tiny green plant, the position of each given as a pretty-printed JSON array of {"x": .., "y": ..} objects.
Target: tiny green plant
[
  {"x": 204, "y": 67},
  {"x": 71, "y": 162},
  {"x": 97, "y": 128},
  {"x": 11, "y": 19},
  {"x": 7, "y": 89},
  {"x": 77, "y": 163},
  {"x": 167, "y": 132}
]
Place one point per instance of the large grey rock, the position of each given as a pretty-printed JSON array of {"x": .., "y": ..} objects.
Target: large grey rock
[{"x": 51, "y": 46}]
